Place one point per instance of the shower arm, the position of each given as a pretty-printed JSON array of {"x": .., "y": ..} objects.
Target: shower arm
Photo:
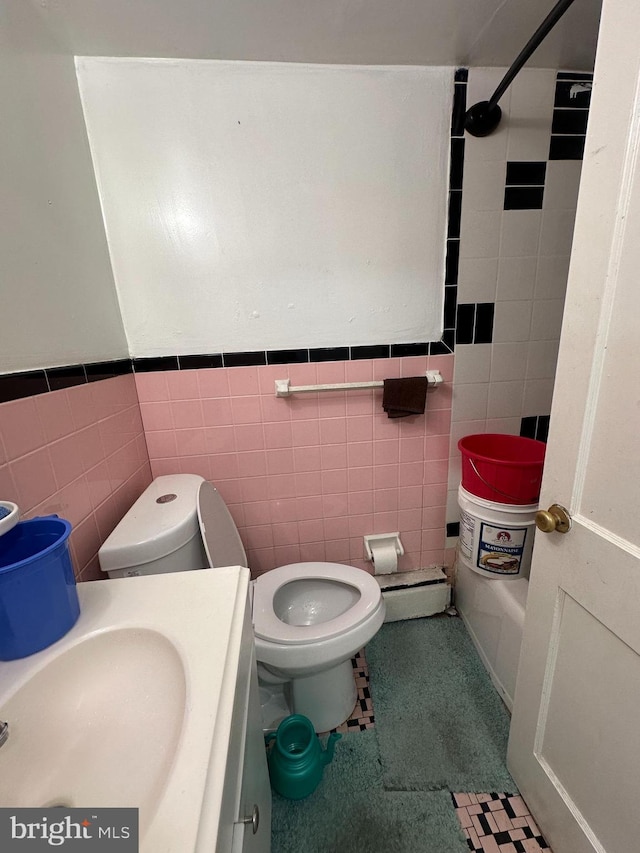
[{"x": 484, "y": 117}]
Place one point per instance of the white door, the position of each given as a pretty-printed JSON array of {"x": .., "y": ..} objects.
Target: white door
[{"x": 574, "y": 749}]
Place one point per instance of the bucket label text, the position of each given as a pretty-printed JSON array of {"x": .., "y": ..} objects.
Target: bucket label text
[{"x": 500, "y": 549}]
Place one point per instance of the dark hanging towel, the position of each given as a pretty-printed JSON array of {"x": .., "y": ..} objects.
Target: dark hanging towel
[{"x": 404, "y": 397}]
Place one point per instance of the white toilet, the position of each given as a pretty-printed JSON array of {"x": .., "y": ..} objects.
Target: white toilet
[{"x": 309, "y": 618}]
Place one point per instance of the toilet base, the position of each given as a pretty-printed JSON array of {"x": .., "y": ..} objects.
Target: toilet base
[
  {"x": 273, "y": 705},
  {"x": 327, "y": 698}
]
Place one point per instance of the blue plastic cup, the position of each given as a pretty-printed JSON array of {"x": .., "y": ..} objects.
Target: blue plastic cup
[{"x": 38, "y": 596}]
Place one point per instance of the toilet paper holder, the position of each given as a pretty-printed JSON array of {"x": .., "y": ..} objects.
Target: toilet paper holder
[{"x": 383, "y": 544}]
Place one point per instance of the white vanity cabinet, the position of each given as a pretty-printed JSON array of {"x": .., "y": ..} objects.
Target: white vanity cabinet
[{"x": 245, "y": 815}]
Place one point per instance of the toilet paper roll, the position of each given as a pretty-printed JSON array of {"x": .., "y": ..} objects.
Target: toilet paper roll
[{"x": 385, "y": 557}]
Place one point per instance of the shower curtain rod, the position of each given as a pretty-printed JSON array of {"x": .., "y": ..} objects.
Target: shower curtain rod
[{"x": 484, "y": 117}]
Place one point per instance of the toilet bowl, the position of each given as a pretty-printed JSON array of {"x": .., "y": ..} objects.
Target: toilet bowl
[{"x": 309, "y": 618}]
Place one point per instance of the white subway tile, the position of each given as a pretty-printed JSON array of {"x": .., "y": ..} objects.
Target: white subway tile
[
  {"x": 470, "y": 402},
  {"x": 520, "y": 233},
  {"x": 531, "y": 113},
  {"x": 509, "y": 361},
  {"x": 507, "y": 426},
  {"x": 546, "y": 320},
  {"x": 542, "y": 359},
  {"x": 512, "y": 322},
  {"x": 480, "y": 233},
  {"x": 505, "y": 399},
  {"x": 516, "y": 278},
  {"x": 473, "y": 363},
  {"x": 483, "y": 187},
  {"x": 551, "y": 276},
  {"x": 556, "y": 234},
  {"x": 538, "y": 394},
  {"x": 561, "y": 184},
  {"x": 477, "y": 279}
]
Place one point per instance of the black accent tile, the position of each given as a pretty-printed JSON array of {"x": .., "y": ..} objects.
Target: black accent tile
[
  {"x": 520, "y": 173},
  {"x": 148, "y": 365},
  {"x": 566, "y": 148},
  {"x": 465, "y": 322},
  {"x": 453, "y": 528},
  {"x": 502, "y": 837},
  {"x": 108, "y": 369},
  {"x": 569, "y": 96},
  {"x": 484, "y": 823},
  {"x": 198, "y": 362},
  {"x": 542, "y": 430},
  {"x": 484, "y": 323},
  {"x": 14, "y": 386},
  {"x": 461, "y": 75},
  {"x": 444, "y": 347},
  {"x": 523, "y": 198},
  {"x": 404, "y": 350},
  {"x": 570, "y": 121},
  {"x": 455, "y": 212},
  {"x": 450, "y": 303},
  {"x": 287, "y": 356},
  {"x": 452, "y": 262},
  {"x": 459, "y": 109},
  {"x": 457, "y": 164},
  {"x": 66, "y": 377},
  {"x": 329, "y": 354},
  {"x": 375, "y": 351},
  {"x": 528, "y": 430},
  {"x": 244, "y": 359},
  {"x": 448, "y": 340},
  {"x": 575, "y": 75},
  {"x": 520, "y": 848}
]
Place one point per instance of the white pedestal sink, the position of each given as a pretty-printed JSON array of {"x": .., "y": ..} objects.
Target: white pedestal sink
[{"x": 147, "y": 702}]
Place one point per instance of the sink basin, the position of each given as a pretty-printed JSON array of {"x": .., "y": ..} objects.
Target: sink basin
[
  {"x": 130, "y": 707},
  {"x": 114, "y": 700}
]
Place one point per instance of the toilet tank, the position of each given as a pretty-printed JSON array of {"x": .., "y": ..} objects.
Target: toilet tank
[
  {"x": 160, "y": 533},
  {"x": 166, "y": 528}
]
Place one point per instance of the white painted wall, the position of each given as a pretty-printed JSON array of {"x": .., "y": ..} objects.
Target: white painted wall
[
  {"x": 268, "y": 206},
  {"x": 58, "y": 304}
]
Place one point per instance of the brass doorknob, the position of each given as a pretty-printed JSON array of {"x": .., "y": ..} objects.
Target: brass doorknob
[{"x": 555, "y": 518}]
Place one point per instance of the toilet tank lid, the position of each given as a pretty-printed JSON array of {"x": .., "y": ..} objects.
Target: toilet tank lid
[{"x": 163, "y": 519}]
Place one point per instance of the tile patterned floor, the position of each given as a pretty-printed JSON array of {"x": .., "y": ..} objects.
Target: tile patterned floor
[
  {"x": 492, "y": 823},
  {"x": 498, "y": 823},
  {"x": 362, "y": 716}
]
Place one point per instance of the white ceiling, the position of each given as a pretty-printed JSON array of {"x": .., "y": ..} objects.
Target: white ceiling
[{"x": 421, "y": 32}]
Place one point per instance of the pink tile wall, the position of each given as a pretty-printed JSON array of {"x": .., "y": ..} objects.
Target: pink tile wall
[
  {"x": 306, "y": 477},
  {"x": 79, "y": 453}
]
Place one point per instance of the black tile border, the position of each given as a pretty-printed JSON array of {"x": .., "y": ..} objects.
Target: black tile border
[
  {"x": 29, "y": 383},
  {"x": 535, "y": 426},
  {"x": 14, "y": 386}
]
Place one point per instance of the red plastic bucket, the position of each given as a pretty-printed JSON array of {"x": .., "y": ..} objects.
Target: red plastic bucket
[{"x": 505, "y": 469}]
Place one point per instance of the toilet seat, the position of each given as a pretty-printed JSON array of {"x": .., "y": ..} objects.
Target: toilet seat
[{"x": 270, "y": 628}]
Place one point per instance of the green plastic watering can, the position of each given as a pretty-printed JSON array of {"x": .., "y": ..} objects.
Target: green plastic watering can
[{"x": 296, "y": 759}]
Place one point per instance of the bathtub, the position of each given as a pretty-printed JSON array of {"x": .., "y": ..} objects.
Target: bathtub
[{"x": 493, "y": 613}]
